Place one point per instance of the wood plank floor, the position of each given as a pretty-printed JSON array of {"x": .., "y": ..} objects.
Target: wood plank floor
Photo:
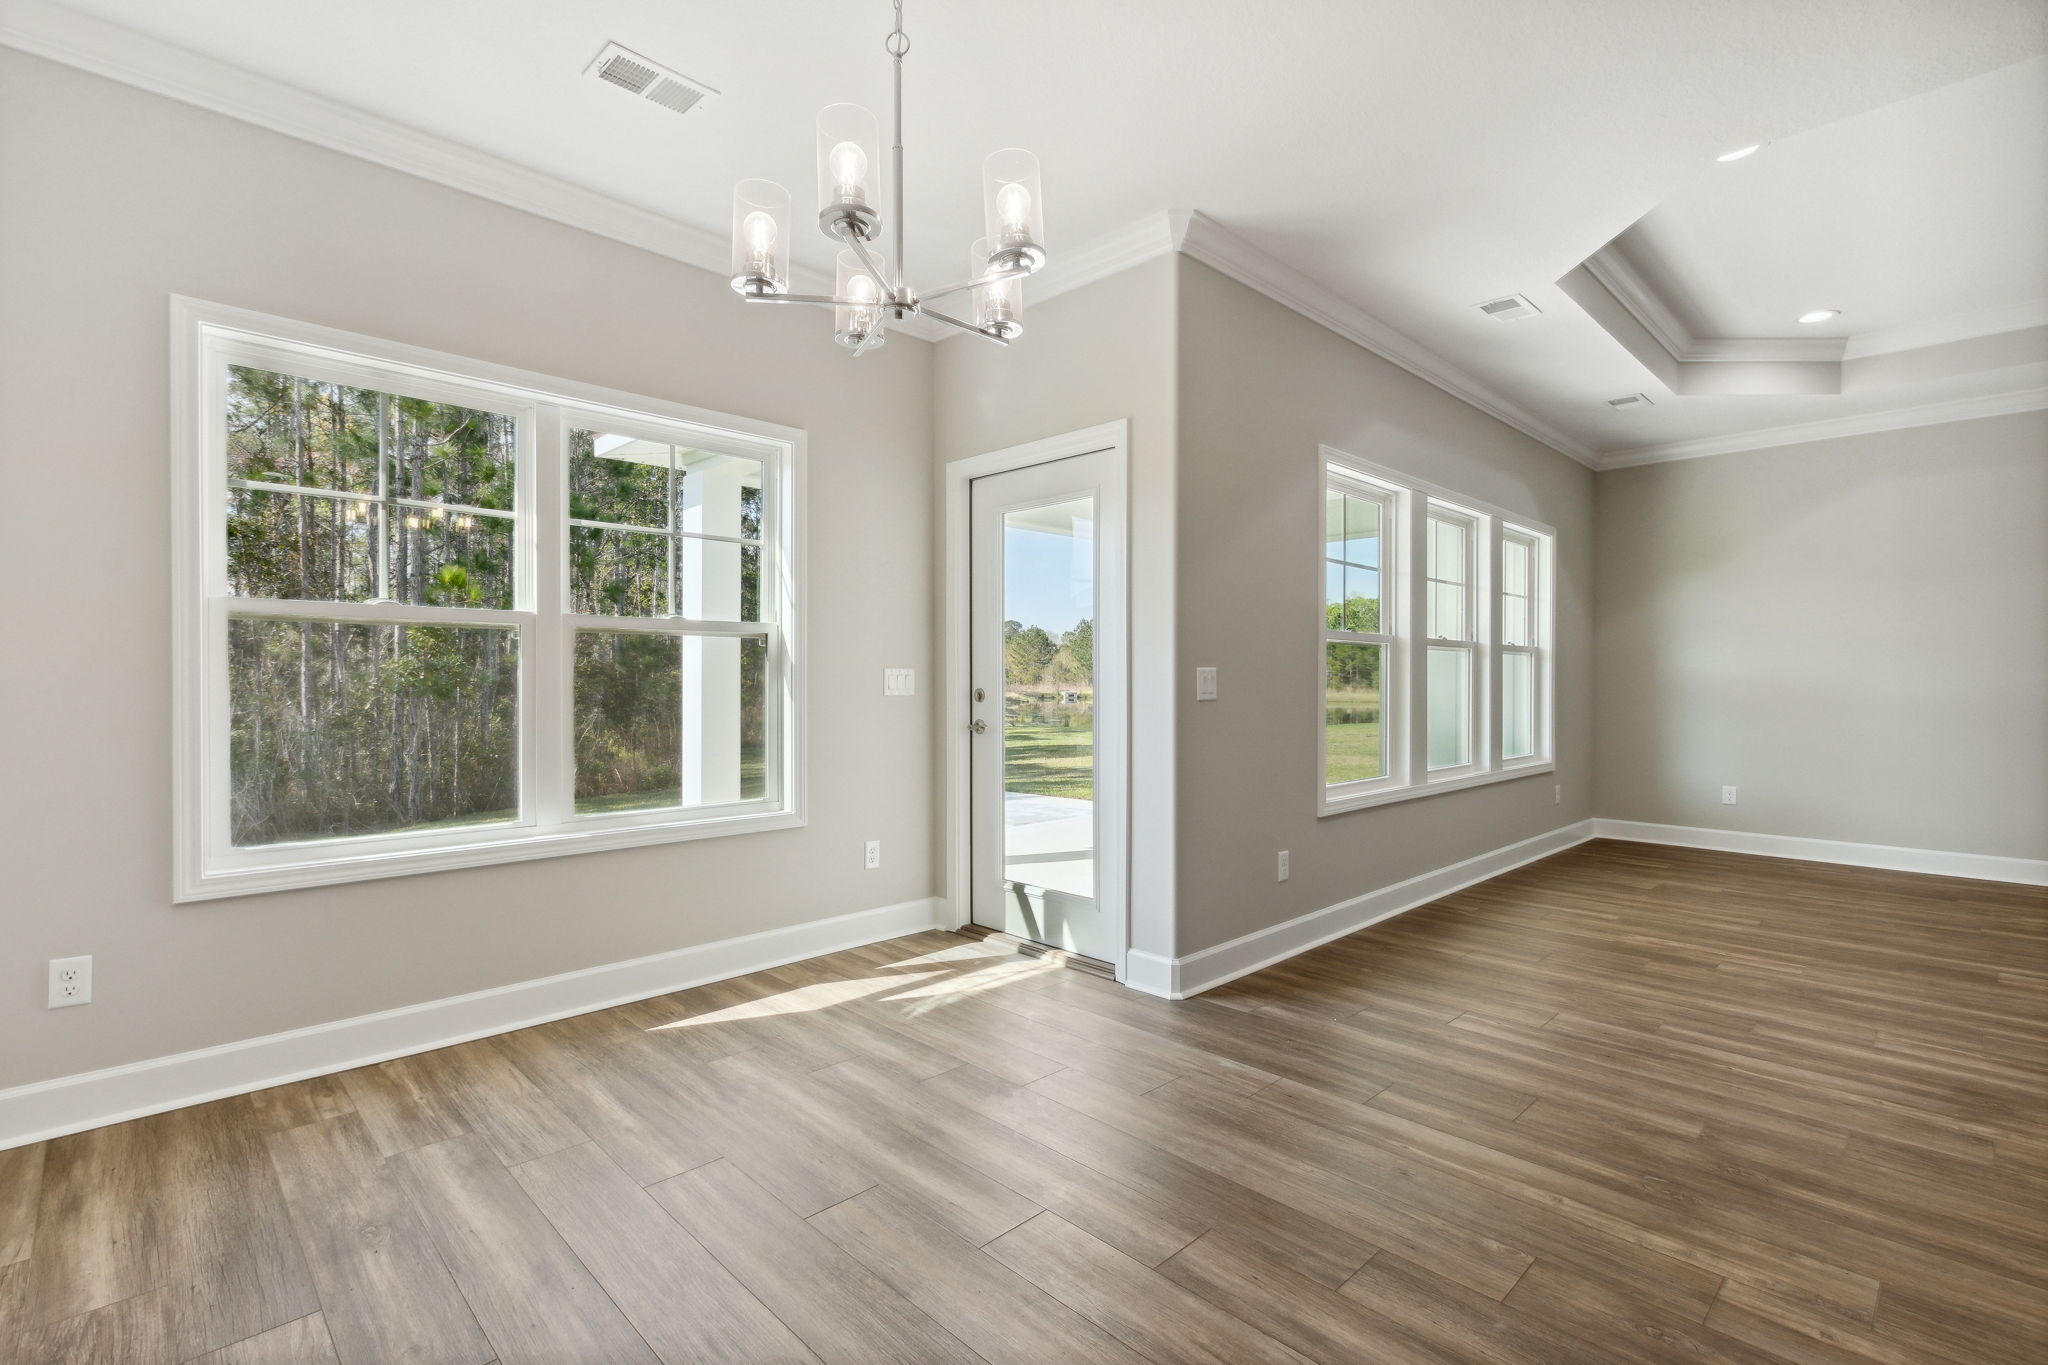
[{"x": 1630, "y": 1104}]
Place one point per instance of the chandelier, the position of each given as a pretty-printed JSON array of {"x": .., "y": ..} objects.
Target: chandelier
[{"x": 867, "y": 296}]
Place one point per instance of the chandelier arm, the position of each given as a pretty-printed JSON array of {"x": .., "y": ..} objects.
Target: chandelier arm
[
  {"x": 992, "y": 277},
  {"x": 867, "y": 263},
  {"x": 828, "y": 300},
  {"x": 937, "y": 316},
  {"x": 874, "y": 334}
]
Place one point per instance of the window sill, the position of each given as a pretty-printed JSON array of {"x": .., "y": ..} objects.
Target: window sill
[
  {"x": 360, "y": 864},
  {"x": 1339, "y": 805}
]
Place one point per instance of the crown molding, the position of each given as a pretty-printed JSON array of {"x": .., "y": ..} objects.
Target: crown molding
[
  {"x": 64, "y": 35},
  {"x": 1862, "y": 424},
  {"x": 1650, "y": 306},
  {"x": 1118, "y": 250},
  {"x": 2011, "y": 317},
  {"x": 1201, "y": 238},
  {"x": 1132, "y": 244},
  {"x": 1619, "y": 277}
]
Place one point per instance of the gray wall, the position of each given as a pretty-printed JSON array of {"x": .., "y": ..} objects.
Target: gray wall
[
  {"x": 1099, "y": 354},
  {"x": 1853, "y": 633},
  {"x": 1261, "y": 388},
  {"x": 113, "y": 200}
]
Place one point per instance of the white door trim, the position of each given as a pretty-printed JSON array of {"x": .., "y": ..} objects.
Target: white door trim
[{"x": 1112, "y": 662}]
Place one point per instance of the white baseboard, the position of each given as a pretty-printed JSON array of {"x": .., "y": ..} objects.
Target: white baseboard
[
  {"x": 70, "y": 1104},
  {"x": 1151, "y": 973},
  {"x": 1983, "y": 867},
  {"x": 1178, "y": 978}
]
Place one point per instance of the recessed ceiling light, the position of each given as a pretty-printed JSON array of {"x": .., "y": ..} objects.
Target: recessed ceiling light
[
  {"x": 1820, "y": 315},
  {"x": 1739, "y": 152}
]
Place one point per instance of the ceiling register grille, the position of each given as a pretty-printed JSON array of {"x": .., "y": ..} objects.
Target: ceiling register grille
[
  {"x": 1513, "y": 306},
  {"x": 651, "y": 81}
]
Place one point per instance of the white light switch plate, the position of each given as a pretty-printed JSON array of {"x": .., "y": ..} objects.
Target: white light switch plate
[
  {"x": 1205, "y": 684},
  {"x": 899, "y": 682}
]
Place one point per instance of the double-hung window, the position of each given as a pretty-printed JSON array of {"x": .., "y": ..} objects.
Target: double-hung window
[
  {"x": 1437, "y": 615},
  {"x": 1523, "y": 702},
  {"x": 434, "y": 613},
  {"x": 1359, "y": 639},
  {"x": 1452, "y": 635}
]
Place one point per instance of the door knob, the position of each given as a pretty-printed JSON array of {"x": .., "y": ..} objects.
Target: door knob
[{"x": 980, "y": 727}]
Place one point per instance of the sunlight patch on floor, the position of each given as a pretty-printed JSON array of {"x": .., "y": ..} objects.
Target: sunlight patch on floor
[
  {"x": 822, "y": 995},
  {"x": 965, "y": 952},
  {"x": 989, "y": 978}
]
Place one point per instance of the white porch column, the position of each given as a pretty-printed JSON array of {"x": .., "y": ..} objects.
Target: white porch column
[{"x": 710, "y": 572}]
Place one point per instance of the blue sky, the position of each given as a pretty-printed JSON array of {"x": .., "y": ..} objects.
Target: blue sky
[{"x": 1048, "y": 580}]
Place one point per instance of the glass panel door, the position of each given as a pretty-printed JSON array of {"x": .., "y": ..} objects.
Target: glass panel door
[{"x": 1035, "y": 611}]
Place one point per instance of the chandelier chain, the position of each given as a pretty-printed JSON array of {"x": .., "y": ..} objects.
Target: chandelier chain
[{"x": 898, "y": 42}]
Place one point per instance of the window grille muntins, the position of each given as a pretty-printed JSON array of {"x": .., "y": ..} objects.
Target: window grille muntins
[
  {"x": 434, "y": 613},
  {"x": 1438, "y": 614}
]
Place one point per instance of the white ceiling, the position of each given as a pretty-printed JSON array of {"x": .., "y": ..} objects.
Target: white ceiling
[
  {"x": 1414, "y": 158},
  {"x": 1933, "y": 207}
]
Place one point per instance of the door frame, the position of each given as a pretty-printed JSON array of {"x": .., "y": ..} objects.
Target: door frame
[{"x": 1112, "y": 670}]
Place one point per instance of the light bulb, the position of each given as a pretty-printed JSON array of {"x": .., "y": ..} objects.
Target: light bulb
[
  {"x": 862, "y": 288},
  {"x": 760, "y": 230},
  {"x": 849, "y": 170},
  {"x": 1013, "y": 202}
]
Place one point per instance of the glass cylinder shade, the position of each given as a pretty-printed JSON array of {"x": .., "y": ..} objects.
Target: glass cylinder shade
[
  {"x": 852, "y": 322},
  {"x": 849, "y": 170},
  {"x": 1012, "y": 209},
  {"x": 998, "y": 303},
  {"x": 760, "y": 237}
]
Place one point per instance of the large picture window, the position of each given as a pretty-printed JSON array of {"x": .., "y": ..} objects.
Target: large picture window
[
  {"x": 435, "y": 613},
  {"x": 1436, "y": 626}
]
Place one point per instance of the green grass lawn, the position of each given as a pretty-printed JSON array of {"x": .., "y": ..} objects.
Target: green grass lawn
[
  {"x": 1049, "y": 760},
  {"x": 1354, "y": 752},
  {"x": 1352, "y": 744}
]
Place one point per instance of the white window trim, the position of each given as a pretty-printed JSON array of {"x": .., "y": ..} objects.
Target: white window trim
[
  {"x": 1405, "y": 724},
  {"x": 204, "y": 338}
]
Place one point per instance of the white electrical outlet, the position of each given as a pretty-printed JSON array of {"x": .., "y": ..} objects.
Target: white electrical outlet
[
  {"x": 1283, "y": 864},
  {"x": 871, "y": 856},
  {"x": 70, "y": 981},
  {"x": 1557, "y": 795},
  {"x": 1205, "y": 684},
  {"x": 1727, "y": 796},
  {"x": 899, "y": 682}
]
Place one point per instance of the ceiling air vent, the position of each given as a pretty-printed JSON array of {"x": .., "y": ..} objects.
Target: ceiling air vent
[
  {"x": 1513, "y": 306},
  {"x": 1630, "y": 402},
  {"x": 634, "y": 74}
]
